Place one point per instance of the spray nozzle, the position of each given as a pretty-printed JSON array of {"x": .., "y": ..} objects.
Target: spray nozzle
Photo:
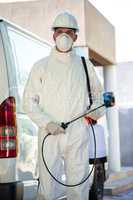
[{"x": 109, "y": 99}]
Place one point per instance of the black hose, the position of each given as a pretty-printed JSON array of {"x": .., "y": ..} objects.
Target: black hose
[{"x": 70, "y": 185}]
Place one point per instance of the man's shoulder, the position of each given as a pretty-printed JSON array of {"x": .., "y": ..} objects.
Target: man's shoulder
[
  {"x": 40, "y": 64},
  {"x": 88, "y": 62}
]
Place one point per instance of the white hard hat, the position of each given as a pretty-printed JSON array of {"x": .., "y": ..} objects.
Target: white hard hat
[{"x": 65, "y": 20}]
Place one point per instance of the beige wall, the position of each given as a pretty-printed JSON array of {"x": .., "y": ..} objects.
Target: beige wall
[
  {"x": 37, "y": 17},
  {"x": 100, "y": 33}
]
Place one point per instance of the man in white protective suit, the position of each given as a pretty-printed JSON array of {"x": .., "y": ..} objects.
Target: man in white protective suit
[{"x": 55, "y": 92}]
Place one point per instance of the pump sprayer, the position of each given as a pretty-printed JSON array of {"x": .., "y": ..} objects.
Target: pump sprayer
[{"x": 109, "y": 101}]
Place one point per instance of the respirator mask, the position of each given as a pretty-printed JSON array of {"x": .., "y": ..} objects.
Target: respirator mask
[{"x": 64, "y": 42}]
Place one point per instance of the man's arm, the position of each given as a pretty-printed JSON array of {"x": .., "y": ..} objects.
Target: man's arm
[
  {"x": 31, "y": 98},
  {"x": 97, "y": 93}
]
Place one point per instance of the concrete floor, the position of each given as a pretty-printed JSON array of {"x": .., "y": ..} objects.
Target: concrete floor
[{"x": 127, "y": 195}]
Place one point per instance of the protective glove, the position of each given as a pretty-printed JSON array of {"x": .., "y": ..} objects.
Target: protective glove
[{"x": 54, "y": 128}]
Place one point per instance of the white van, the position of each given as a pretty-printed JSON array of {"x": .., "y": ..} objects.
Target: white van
[{"x": 18, "y": 51}]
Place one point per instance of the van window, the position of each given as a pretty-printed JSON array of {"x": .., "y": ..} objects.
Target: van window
[{"x": 26, "y": 52}]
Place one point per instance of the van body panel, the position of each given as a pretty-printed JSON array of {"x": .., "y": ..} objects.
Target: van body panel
[
  {"x": 4, "y": 87},
  {"x": 7, "y": 165},
  {"x": 19, "y": 50}
]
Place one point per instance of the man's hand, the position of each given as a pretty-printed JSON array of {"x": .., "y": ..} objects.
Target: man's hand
[{"x": 54, "y": 128}]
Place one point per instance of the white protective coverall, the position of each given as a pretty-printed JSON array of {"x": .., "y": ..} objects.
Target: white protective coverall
[{"x": 57, "y": 91}]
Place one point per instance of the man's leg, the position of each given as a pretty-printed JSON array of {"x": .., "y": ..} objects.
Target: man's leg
[
  {"x": 76, "y": 167},
  {"x": 49, "y": 189},
  {"x": 97, "y": 188}
]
